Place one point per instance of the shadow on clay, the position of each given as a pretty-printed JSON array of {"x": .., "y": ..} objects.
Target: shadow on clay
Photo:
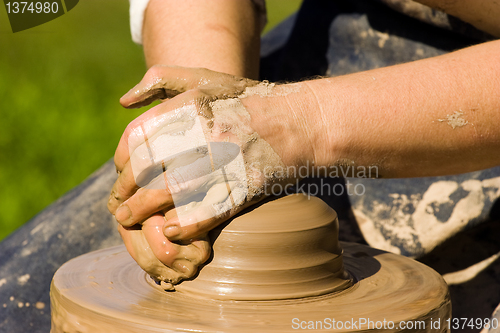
[
  {"x": 214, "y": 233},
  {"x": 360, "y": 264}
]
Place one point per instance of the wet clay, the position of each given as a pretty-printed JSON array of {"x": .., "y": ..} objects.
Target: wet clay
[
  {"x": 229, "y": 115},
  {"x": 267, "y": 89},
  {"x": 283, "y": 263},
  {"x": 285, "y": 249},
  {"x": 455, "y": 120}
]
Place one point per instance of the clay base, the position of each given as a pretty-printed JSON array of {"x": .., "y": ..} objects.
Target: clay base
[
  {"x": 105, "y": 291},
  {"x": 286, "y": 248}
]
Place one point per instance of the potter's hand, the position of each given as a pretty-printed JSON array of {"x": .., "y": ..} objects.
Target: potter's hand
[
  {"x": 196, "y": 152},
  {"x": 165, "y": 261}
]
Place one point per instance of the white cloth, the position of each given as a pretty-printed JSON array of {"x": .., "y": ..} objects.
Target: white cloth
[{"x": 138, "y": 7}]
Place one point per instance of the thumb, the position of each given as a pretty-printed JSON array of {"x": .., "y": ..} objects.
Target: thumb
[{"x": 161, "y": 82}]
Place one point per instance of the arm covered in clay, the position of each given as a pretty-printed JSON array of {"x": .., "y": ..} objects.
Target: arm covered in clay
[
  {"x": 436, "y": 116},
  {"x": 482, "y": 14},
  {"x": 430, "y": 117}
]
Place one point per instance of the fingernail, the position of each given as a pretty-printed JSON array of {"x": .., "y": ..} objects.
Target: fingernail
[
  {"x": 131, "y": 93},
  {"x": 172, "y": 231},
  {"x": 123, "y": 213},
  {"x": 132, "y": 90}
]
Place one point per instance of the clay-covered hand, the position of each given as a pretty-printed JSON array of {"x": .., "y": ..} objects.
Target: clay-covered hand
[
  {"x": 165, "y": 261},
  {"x": 189, "y": 163}
]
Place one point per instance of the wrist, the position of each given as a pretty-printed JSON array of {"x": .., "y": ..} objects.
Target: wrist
[
  {"x": 327, "y": 107},
  {"x": 319, "y": 124},
  {"x": 281, "y": 118}
]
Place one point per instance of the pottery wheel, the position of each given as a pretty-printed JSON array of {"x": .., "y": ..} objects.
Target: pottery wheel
[{"x": 106, "y": 291}]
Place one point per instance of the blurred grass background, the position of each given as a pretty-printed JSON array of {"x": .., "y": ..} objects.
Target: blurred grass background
[{"x": 59, "y": 88}]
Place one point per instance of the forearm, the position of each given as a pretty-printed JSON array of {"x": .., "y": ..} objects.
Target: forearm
[
  {"x": 396, "y": 118},
  {"x": 482, "y": 14},
  {"x": 221, "y": 35}
]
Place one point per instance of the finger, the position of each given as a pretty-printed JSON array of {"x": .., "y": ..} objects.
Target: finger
[
  {"x": 123, "y": 188},
  {"x": 127, "y": 240},
  {"x": 141, "y": 252},
  {"x": 197, "y": 251},
  {"x": 185, "y": 258},
  {"x": 162, "y": 248},
  {"x": 173, "y": 230},
  {"x": 161, "y": 82},
  {"x": 131, "y": 204},
  {"x": 141, "y": 191},
  {"x": 222, "y": 199},
  {"x": 143, "y": 204},
  {"x": 134, "y": 134},
  {"x": 161, "y": 117}
]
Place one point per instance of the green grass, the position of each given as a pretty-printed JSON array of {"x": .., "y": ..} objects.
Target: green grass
[
  {"x": 278, "y": 10},
  {"x": 59, "y": 88}
]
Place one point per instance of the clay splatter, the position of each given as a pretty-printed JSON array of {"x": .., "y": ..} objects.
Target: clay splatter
[
  {"x": 455, "y": 120},
  {"x": 266, "y": 89},
  {"x": 23, "y": 279}
]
